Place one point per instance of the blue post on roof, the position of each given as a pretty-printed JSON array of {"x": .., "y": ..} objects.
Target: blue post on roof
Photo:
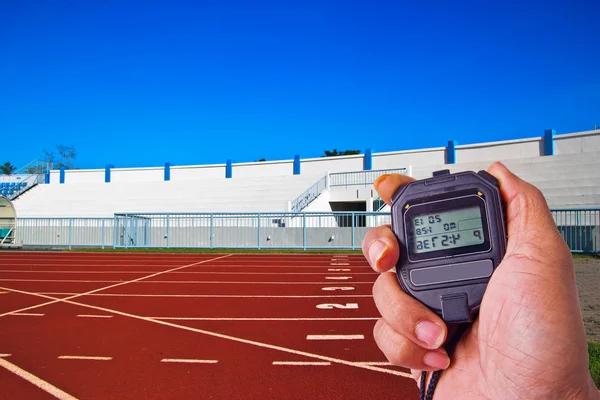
[
  {"x": 107, "y": 172},
  {"x": 228, "y": 169},
  {"x": 549, "y": 142},
  {"x": 451, "y": 152},
  {"x": 167, "y": 171},
  {"x": 296, "y": 164},
  {"x": 368, "y": 160},
  {"x": 47, "y": 178},
  {"x": 62, "y": 175}
]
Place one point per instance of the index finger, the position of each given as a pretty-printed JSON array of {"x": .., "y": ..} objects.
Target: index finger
[{"x": 387, "y": 184}]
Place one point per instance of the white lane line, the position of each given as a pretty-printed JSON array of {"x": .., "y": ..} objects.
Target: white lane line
[
  {"x": 338, "y": 278},
  {"x": 94, "y": 316},
  {"x": 345, "y": 270},
  {"x": 120, "y": 283},
  {"x": 339, "y": 264},
  {"x": 91, "y": 358},
  {"x": 251, "y": 283},
  {"x": 106, "y": 287},
  {"x": 188, "y": 361},
  {"x": 262, "y": 319},
  {"x": 5, "y": 355},
  {"x": 40, "y": 383},
  {"x": 311, "y": 363},
  {"x": 261, "y": 266},
  {"x": 234, "y": 296},
  {"x": 335, "y": 337},
  {"x": 179, "y": 272},
  {"x": 20, "y": 314},
  {"x": 222, "y": 336},
  {"x": 381, "y": 363}
]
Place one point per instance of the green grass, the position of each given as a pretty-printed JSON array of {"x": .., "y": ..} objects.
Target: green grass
[
  {"x": 594, "y": 354},
  {"x": 585, "y": 255},
  {"x": 216, "y": 251}
]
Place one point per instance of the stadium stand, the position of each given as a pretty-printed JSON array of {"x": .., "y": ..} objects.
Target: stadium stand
[
  {"x": 569, "y": 178},
  {"x": 208, "y": 195}
]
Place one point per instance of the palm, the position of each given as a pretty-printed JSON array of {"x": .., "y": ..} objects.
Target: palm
[{"x": 515, "y": 348}]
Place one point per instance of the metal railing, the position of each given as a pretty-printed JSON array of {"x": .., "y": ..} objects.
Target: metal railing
[
  {"x": 326, "y": 230},
  {"x": 580, "y": 228},
  {"x": 361, "y": 177},
  {"x": 353, "y": 178},
  {"x": 65, "y": 232},
  {"x": 302, "y": 201}
]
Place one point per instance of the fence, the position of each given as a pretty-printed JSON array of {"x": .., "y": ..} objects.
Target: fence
[
  {"x": 333, "y": 230},
  {"x": 65, "y": 232},
  {"x": 360, "y": 177}
]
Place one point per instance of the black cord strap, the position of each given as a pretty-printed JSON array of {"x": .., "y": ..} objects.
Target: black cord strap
[{"x": 455, "y": 332}]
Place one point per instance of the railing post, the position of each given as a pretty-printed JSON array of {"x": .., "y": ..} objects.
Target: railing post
[
  {"x": 304, "y": 231},
  {"x": 70, "y": 232},
  {"x": 353, "y": 231},
  {"x": 211, "y": 233},
  {"x": 168, "y": 233},
  {"x": 126, "y": 238},
  {"x": 102, "y": 241},
  {"x": 259, "y": 231},
  {"x": 115, "y": 231}
]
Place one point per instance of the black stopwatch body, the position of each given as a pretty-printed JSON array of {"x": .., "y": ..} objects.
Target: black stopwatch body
[{"x": 452, "y": 234}]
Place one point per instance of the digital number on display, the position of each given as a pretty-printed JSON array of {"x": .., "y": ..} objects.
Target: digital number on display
[{"x": 448, "y": 230}]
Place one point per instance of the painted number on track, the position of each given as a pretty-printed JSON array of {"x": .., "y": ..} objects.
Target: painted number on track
[{"x": 330, "y": 306}]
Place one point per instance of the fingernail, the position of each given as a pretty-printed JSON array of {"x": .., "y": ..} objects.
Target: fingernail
[
  {"x": 376, "y": 252},
  {"x": 380, "y": 179},
  {"x": 430, "y": 333},
  {"x": 437, "y": 360}
]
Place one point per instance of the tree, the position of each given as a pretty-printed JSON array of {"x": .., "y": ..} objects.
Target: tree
[
  {"x": 66, "y": 153},
  {"x": 7, "y": 168},
  {"x": 336, "y": 153}
]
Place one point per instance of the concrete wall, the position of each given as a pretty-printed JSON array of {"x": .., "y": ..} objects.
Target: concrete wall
[
  {"x": 402, "y": 159},
  {"x": 265, "y": 168},
  {"x": 504, "y": 150},
  {"x": 74, "y": 176},
  {"x": 580, "y": 142},
  {"x": 195, "y": 172},
  {"x": 332, "y": 164},
  {"x": 135, "y": 175}
]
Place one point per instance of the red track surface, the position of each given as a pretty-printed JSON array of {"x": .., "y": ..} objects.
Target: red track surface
[{"x": 242, "y": 315}]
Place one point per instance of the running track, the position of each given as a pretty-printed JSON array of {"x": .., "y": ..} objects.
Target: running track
[{"x": 158, "y": 326}]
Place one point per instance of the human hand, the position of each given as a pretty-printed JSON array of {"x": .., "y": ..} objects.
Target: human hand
[{"x": 528, "y": 341}]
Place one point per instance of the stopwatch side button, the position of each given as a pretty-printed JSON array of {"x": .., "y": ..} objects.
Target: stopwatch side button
[{"x": 455, "y": 307}]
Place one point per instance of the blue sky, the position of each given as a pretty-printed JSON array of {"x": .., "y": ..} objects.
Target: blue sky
[{"x": 140, "y": 83}]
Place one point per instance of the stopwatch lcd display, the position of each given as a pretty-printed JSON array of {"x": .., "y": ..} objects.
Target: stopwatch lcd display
[{"x": 446, "y": 228}]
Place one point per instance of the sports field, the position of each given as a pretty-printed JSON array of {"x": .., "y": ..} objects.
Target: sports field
[{"x": 221, "y": 326}]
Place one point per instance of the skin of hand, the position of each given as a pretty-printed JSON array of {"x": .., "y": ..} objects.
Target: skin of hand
[{"x": 528, "y": 341}]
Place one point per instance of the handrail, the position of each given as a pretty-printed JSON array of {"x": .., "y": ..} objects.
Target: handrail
[
  {"x": 302, "y": 201},
  {"x": 361, "y": 177}
]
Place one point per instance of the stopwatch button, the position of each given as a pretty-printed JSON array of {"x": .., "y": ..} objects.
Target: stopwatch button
[
  {"x": 441, "y": 172},
  {"x": 488, "y": 177}
]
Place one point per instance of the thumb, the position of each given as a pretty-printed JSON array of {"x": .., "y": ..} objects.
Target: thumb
[{"x": 532, "y": 231}]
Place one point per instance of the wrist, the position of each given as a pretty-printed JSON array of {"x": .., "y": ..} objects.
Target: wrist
[{"x": 592, "y": 392}]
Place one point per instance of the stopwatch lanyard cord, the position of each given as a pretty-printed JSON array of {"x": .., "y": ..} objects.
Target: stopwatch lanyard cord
[{"x": 455, "y": 332}]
